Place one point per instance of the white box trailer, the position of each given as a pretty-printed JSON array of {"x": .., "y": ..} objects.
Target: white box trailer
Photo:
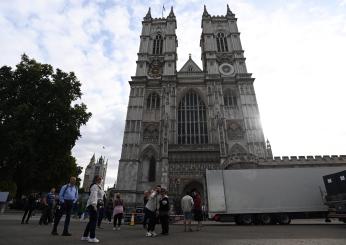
[{"x": 267, "y": 196}]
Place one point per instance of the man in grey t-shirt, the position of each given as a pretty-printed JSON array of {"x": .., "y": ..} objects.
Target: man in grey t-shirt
[{"x": 186, "y": 206}]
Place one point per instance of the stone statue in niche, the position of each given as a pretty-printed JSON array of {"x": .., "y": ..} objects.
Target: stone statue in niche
[
  {"x": 234, "y": 130},
  {"x": 218, "y": 118},
  {"x": 172, "y": 90},
  {"x": 165, "y": 119}
]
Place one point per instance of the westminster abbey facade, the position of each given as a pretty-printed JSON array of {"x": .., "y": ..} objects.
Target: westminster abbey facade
[{"x": 181, "y": 122}]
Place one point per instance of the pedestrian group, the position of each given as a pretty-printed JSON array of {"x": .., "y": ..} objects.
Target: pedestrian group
[{"x": 156, "y": 209}]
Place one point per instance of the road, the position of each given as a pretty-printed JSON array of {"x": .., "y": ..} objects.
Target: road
[{"x": 301, "y": 233}]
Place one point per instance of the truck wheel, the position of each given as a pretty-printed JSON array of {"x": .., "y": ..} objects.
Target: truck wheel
[
  {"x": 266, "y": 219},
  {"x": 257, "y": 220},
  {"x": 284, "y": 219},
  {"x": 343, "y": 220},
  {"x": 237, "y": 220},
  {"x": 246, "y": 219}
]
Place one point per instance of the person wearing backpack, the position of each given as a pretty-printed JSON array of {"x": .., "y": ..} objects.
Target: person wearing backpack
[
  {"x": 67, "y": 197},
  {"x": 95, "y": 198}
]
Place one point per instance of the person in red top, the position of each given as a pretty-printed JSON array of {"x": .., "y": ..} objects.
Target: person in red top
[{"x": 197, "y": 209}]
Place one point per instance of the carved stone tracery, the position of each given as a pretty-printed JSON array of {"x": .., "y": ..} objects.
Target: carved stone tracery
[
  {"x": 234, "y": 130},
  {"x": 151, "y": 133},
  {"x": 225, "y": 58},
  {"x": 155, "y": 67}
]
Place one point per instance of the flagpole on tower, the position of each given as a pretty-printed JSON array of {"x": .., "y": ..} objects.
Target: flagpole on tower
[{"x": 163, "y": 9}]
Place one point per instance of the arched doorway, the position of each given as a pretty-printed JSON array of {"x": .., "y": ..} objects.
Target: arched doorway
[
  {"x": 193, "y": 186},
  {"x": 190, "y": 187}
]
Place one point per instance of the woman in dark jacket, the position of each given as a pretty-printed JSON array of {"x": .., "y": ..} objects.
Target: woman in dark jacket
[{"x": 164, "y": 212}]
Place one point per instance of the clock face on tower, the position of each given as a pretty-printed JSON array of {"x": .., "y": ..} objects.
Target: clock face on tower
[{"x": 226, "y": 69}]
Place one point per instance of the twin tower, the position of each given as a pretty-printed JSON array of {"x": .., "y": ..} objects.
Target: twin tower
[{"x": 180, "y": 123}]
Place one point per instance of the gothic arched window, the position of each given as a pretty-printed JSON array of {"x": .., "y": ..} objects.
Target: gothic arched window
[
  {"x": 221, "y": 42},
  {"x": 192, "y": 120},
  {"x": 230, "y": 98},
  {"x": 158, "y": 43},
  {"x": 153, "y": 101},
  {"x": 152, "y": 169}
]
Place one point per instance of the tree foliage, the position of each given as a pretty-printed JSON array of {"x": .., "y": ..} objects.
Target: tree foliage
[{"x": 40, "y": 122}]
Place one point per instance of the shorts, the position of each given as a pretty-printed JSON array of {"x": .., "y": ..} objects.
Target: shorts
[{"x": 187, "y": 215}]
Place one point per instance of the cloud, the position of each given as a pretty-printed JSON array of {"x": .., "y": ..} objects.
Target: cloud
[{"x": 295, "y": 50}]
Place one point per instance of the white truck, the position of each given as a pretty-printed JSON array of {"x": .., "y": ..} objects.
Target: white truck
[{"x": 267, "y": 196}]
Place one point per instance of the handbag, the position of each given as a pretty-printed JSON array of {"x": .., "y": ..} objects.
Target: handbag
[{"x": 118, "y": 209}]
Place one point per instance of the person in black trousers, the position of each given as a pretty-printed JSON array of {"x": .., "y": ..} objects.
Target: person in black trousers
[
  {"x": 48, "y": 202},
  {"x": 67, "y": 197},
  {"x": 95, "y": 197},
  {"x": 29, "y": 207},
  {"x": 109, "y": 210},
  {"x": 164, "y": 212},
  {"x": 100, "y": 212},
  {"x": 145, "y": 210}
]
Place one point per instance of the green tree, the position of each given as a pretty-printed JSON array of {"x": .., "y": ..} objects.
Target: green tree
[{"x": 40, "y": 120}]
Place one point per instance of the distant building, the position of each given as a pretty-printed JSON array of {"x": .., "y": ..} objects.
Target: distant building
[{"x": 94, "y": 168}]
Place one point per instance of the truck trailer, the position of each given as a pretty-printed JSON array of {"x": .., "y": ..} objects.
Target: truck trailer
[{"x": 267, "y": 196}]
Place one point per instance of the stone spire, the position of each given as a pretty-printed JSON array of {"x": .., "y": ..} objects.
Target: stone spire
[
  {"x": 205, "y": 12},
  {"x": 92, "y": 160},
  {"x": 229, "y": 12},
  {"x": 148, "y": 16},
  {"x": 269, "y": 149},
  {"x": 171, "y": 14}
]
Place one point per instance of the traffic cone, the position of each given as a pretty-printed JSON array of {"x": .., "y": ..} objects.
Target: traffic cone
[{"x": 132, "y": 222}]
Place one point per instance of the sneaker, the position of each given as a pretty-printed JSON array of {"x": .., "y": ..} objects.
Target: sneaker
[
  {"x": 84, "y": 238},
  {"x": 148, "y": 234},
  {"x": 93, "y": 240},
  {"x": 54, "y": 233},
  {"x": 153, "y": 234},
  {"x": 114, "y": 228},
  {"x": 66, "y": 234},
  {"x": 118, "y": 229}
]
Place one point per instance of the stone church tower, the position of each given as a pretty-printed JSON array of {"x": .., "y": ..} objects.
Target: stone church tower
[
  {"x": 93, "y": 169},
  {"x": 180, "y": 123}
]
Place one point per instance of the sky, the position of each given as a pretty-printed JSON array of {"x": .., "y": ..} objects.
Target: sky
[{"x": 295, "y": 49}]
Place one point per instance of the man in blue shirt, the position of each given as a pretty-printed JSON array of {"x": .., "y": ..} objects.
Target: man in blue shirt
[{"x": 67, "y": 197}]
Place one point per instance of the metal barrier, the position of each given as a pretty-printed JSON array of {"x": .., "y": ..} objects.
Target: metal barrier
[{"x": 139, "y": 218}]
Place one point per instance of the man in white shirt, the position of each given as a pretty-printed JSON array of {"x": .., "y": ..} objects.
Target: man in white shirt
[{"x": 186, "y": 206}]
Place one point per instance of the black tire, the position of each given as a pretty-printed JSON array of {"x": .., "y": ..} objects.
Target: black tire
[
  {"x": 237, "y": 220},
  {"x": 284, "y": 219},
  {"x": 266, "y": 219},
  {"x": 257, "y": 220},
  {"x": 246, "y": 219},
  {"x": 343, "y": 220}
]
